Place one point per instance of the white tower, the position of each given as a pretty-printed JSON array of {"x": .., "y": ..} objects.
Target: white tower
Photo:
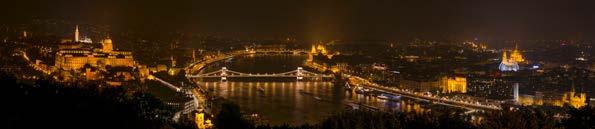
[
  {"x": 300, "y": 74},
  {"x": 223, "y": 73}
]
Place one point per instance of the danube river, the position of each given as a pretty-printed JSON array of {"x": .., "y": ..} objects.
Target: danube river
[{"x": 279, "y": 101}]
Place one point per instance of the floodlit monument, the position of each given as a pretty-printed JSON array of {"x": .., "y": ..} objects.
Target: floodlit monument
[{"x": 75, "y": 55}]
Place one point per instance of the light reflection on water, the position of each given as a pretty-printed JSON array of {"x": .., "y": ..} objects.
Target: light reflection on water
[
  {"x": 293, "y": 102},
  {"x": 281, "y": 102},
  {"x": 298, "y": 102}
]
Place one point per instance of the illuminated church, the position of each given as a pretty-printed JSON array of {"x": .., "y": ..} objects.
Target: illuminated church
[
  {"x": 321, "y": 49},
  {"x": 76, "y": 54},
  {"x": 512, "y": 63},
  {"x": 572, "y": 98},
  {"x": 318, "y": 49},
  {"x": 516, "y": 55}
]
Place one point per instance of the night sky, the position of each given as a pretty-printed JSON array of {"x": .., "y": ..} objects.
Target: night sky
[{"x": 324, "y": 20}]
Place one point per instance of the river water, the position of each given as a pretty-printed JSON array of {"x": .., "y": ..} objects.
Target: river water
[{"x": 279, "y": 101}]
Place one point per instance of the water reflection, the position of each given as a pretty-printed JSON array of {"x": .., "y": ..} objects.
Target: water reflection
[
  {"x": 290, "y": 101},
  {"x": 280, "y": 102},
  {"x": 301, "y": 102}
]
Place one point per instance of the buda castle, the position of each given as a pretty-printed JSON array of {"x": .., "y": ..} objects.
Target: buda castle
[{"x": 75, "y": 54}]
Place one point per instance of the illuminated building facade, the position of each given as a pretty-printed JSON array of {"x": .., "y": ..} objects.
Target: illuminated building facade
[
  {"x": 573, "y": 99},
  {"x": 512, "y": 63},
  {"x": 201, "y": 122},
  {"x": 444, "y": 85},
  {"x": 75, "y": 55},
  {"x": 516, "y": 55},
  {"x": 570, "y": 98},
  {"x": 454, "y": 85},
  {"x": 321, "y": 50},
  {"x": 508, "y": 64},
  {"x": 316, "y": 49},
  {"x": 576, "y": 100},
  {"x": 107, "y": 45}
]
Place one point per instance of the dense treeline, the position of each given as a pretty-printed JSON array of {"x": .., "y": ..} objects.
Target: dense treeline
[
  {"x": 45, "y": 104},
  {"x": 522, "y": 118},
  {"x": 380, "y": 120}
]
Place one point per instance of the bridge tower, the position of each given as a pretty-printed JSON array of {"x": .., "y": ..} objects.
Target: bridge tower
[
  {"x": 299, "y": 73},
  {"x": 223, "y": 73}
]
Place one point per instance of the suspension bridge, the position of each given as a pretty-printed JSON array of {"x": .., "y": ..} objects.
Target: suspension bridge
[{"x": 225, "y": 73}]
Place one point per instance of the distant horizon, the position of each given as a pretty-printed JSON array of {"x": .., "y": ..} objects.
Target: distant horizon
[
  {"x": 64, "y": 32},
  {"x": 327, "y": 20}
]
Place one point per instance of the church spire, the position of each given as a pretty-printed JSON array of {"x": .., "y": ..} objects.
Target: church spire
[
  {"x": 76, "y": 33},
  {"x": 504, "y": 56}
]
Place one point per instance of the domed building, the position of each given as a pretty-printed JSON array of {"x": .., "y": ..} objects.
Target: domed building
[
  {"x": 508, "y": 64},
  {"x": 516, "y": 55},
  {"x": 107, "y": 45}
]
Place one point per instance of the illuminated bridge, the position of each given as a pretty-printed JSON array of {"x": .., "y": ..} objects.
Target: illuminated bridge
[
  {"x": 224, "y": 73},
  {"x": 467, "y": 104},
  {"x": 198, "y": 65}
]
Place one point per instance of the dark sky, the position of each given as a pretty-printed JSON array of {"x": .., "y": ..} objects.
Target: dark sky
[{"x": 323, "y": 19}]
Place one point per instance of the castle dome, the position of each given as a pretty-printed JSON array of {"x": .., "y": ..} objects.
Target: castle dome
[
  {"x": 107, "y": 45},
  {"x": 107, "y": 40}
]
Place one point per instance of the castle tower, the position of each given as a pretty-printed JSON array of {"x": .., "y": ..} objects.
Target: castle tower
[{"x": 76, "y": 33}]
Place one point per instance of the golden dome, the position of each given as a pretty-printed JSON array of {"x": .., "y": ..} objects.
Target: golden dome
[
  {"x": 107, "y": 45},
  {"x": 108, "y": 40}
]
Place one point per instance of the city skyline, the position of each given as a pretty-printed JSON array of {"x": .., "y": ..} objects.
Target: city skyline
[{"x": 268, "y": 64}]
